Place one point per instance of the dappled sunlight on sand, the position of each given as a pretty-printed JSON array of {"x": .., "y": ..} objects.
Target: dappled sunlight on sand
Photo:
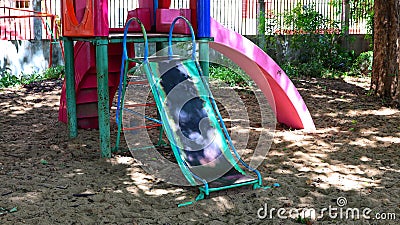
[
  {"x": 28, "y": 197},
  {"x": 334, "y": 173},
  {"x": 384, "y": 111},
  {"x": 354, "y": 153},
  {"x": 142, "y": 182},
  {"x": 363, "y": 142},
  {"x": 223, "y": 203},
  {"x": 311, "y": 153}
]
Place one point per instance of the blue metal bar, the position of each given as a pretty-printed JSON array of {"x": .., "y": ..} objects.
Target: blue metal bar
[
  {"x": 203, "y": 19},
  {"x": 125, "y": 57},
  {"x": 171, "y": 29},
  {"x": 155, "y": 7},
  {"x": 144, "y": 116}
]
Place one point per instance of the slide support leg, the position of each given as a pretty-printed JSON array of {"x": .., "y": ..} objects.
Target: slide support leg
[
  {"x": 204, "y": 57},
  {"x": 103, "y": 96},
  {"x": 70, "y": 87},
  {"x": 160, "y": 46}
]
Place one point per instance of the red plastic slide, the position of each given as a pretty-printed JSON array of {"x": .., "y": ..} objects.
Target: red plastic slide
[{"x": 86, "y": 83}]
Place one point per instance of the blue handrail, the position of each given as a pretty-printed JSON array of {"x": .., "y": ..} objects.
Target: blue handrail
[
  {"x": 125, "y": 57},
  {"x": 171, "y": 29}
]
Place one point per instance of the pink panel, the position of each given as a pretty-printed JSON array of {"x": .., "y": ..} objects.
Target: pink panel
[
  {"x": 165, "y": 17},
  {"x": 79, "y": 7},
  {"x": 101, "y": 18},
  {"x": 289, "y": 106}
]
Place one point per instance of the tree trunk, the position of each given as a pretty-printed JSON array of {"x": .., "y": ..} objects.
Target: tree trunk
[{"x": 385, "y": 71}]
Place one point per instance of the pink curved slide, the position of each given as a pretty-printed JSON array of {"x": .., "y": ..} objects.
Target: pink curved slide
[{"x": 280, "y": 92}]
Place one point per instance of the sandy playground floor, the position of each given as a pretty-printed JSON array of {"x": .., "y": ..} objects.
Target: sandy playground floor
[{"x": 48, "y": 179}]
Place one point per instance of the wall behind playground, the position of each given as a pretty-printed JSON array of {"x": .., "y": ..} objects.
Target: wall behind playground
[
  {"x": 242, "y": 17},
  {"x": 28, "y": 41}
]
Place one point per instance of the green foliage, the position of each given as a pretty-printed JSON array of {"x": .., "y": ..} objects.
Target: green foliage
[
  {"x": 362, "y": 66},
  {"x": 302, "y": 220},
  {"x": 306, "y": 20},
  {"x": 315, "y": 44},
  {"x": 360, "y": 10},
  {"x": 53, "y": 73},
  {"x": 7, "y": 79},
  {"x": 271, "y": 38},
  {"x": 262, "y": 22},
  {"x": 231, "y": 76},
  {"x": 370, "y": 29},
  {"x": 311, "y": 69}
]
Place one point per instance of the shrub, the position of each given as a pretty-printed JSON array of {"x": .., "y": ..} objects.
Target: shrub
[
  {"x": 232, "y": 76},
  {"x": 315, "y": 43},
  {"x": 7, "y": 79},
  {"x": 362, "y": 66}
]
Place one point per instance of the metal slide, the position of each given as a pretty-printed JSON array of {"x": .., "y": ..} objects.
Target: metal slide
[{"x": 191, "y": 120}]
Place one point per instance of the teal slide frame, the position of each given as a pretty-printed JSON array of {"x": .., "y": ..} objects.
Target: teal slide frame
[{"x": 159, "y": 96}]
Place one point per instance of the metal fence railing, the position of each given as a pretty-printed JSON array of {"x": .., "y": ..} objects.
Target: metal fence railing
[
  {"x": 20, "y": 20},
  {"x": 242, "y": 15},
  {"x": 358, "y": 14},
  {"x": 238, "y": 15},
  {"x": 118, "y": 11}
]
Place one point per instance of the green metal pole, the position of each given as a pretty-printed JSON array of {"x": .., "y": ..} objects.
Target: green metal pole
[
  {"x": 103, "y": 96},
  {"x": 159, "y": 47},
  {"x": 261, "y": 24},
  {"x": 70, "y": 87},
  {"x": 204, "y": 57}
]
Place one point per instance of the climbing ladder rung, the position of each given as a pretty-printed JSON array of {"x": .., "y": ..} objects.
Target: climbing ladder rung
[
  {"x": 141, "y": 127},
  {"x": 139, "y": 105},
  {"x": 138, "y": 82},
  {"x": 142, "y": 115}
]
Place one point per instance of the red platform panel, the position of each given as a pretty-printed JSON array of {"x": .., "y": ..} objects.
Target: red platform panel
[
  {"x": 193, "y": 11},
  {"x": 144, "y": 15},
  {"x": 148, "y": 4},
  {"x": 86, "y": 82},
  {"x": 164, "y": 4},
  {"x": 165, "y": 17},
  {"x": 82, "y": 18}
]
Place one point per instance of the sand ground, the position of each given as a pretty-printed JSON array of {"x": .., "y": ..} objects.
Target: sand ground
[{"x": 46, "y": 178}]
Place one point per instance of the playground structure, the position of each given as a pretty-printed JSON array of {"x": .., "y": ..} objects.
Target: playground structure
[
  {"x": 213, "y": 165},
  {"x": 74, "y": 109},
  {"x": 91, "y": 80}
]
